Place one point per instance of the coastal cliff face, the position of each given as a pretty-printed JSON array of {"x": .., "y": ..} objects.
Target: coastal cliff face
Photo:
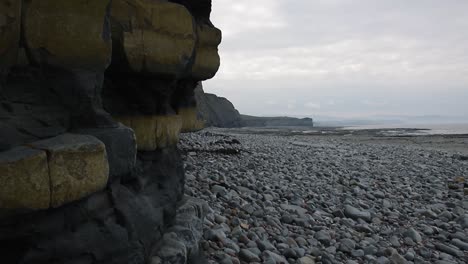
[
  {"x": 282, "y": 121},
  {"x": 93, "y": 97},
  {"x": 220, "y": 112},
  {"x": 216, "y": 111}
]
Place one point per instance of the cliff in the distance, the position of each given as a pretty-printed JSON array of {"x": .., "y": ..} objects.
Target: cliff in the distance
[
  {"x": 93, "y": 97},
  {"x": 220, "y": 112},
  {"x": 281, "y": 121},
  {"x": 216, "y": 111}
]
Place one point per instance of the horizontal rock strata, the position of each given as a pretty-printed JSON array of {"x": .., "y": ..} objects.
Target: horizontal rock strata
[{"x": 93, "y": 97}]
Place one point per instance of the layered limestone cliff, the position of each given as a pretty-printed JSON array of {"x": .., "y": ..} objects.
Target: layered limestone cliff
[
  {"x": 93, "y": 97},
  {"x": 220, "y": 112},
  {"x": 216, "y": 111},
  {"x": 281, "y": 121}
]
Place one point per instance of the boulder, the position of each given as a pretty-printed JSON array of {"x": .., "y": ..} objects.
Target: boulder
[
  {"x": 24, "y": 179},
  {"x": 77, "y": 165}
]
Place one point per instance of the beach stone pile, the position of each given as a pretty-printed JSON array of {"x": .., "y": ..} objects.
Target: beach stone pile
[{"x": 299, "y": 199}]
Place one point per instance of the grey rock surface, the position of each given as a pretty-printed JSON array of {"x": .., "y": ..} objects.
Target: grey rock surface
[{"x": 216, "y": 111}]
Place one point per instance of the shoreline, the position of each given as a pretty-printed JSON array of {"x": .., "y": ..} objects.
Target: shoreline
[
  {"x": 342, "y": 130},
  {"x": 456, "y": 144}
]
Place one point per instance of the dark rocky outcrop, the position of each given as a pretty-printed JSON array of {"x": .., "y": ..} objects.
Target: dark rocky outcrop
[
  {"x": 93, "y": 97},
  {"x": 220, "y": 112},
  {"x": 256, "y": 121},
  {"x": 216, "y": 111}
]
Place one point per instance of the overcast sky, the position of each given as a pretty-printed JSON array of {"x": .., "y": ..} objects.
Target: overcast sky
[{"x": 343, "y": 58}]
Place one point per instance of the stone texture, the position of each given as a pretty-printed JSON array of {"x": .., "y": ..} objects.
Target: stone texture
[
  {"x": 355, "y": 213},
  {"x": 207, "y": 59},
  {"x": 341, "y": 199},
  {"x": 138, "y": 26},
  {"x": 216, "y": 111},
  {"x": 188, "y": 228},
  {"x": 54, "y": 28},
  {"x": 172, "y": 251},
  {"x": 167, "y": 130},
  {"x": 78, "y": 166},
  {"x": 120, "y": 145},
  {"x": 10, "y": 23},
  {"x": 24, "y": 179},
  {"x": 79, "y": 64},
  {"x": 153, "y": 132},
  {"x": 190, "y": 120}
]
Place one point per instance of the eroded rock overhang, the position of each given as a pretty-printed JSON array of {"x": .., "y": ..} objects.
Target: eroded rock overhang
[{"x": 93, "y": 97}]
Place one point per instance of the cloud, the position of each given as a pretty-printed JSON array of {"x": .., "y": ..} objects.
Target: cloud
[
  {"x": 235, "y": 17},
  {"x": 374, "y": 103},
  {"x": 347, "y": 51},
  {"x": 312, "y": 105}
]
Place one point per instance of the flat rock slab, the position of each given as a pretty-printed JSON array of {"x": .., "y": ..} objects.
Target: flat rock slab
[
  {"x": 24, "y": 179},
  {"x": 77, "y": 164}
]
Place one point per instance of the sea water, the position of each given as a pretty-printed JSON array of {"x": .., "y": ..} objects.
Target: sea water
[{"x": 424, "y": 129}]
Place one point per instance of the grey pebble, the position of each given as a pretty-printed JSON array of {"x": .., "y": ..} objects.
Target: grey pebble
[
  {"x": 354, "y": 213},
  {"x": 347, "y": 245},
  {"x": 413, "y": 234},
  {"x": 448, "y": 249},
  {"x": 248, "y": 256}
]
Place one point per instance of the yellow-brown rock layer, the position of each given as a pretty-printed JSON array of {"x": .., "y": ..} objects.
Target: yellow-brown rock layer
[
  {"x": 154, "y": 132},
  {"x": 69, "y": 33},
  {"x": 158, "y": 37},
  {"x": 168, "y": 130},
  {"x": 190, "y": 120},
  {"x": 24, "y": 179},
  {"x": 77, "y": 164},
  {"x": 10, "y": 30},
  {"x": 207, "y": 60}
]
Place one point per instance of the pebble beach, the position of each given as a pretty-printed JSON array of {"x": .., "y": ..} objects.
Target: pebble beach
[{"x": 287, "y": 198}]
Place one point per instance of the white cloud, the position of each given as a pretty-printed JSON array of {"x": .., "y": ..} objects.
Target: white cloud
[
  {"x": 234, "y": 17},
  {"x": 346, "y": 54},
  {"x": 313, "y": 105},
  {"x": 271, "y": 102},
  {"x": 374, "y": 103},
  {"x": 349, "y": 59}
]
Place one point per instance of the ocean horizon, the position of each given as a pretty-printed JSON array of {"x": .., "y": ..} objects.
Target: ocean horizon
[{"x": 421, "y": 129}]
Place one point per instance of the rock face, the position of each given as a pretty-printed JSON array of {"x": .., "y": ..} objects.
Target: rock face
[
  {"x": 255, "y": 121},
  {"x": 93, "y": 97},
  {"x": 220, "y": 112},
  {"x": 216, "y": 111}
]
